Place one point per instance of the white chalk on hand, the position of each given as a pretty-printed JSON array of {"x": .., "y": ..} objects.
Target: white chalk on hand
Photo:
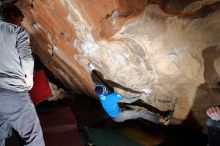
[
  {"x": 146, "y": 91},
  {"x": 91, "y": 67}
]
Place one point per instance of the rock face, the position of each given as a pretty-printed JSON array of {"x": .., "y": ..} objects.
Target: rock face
[{"x": 171, "y": 47}]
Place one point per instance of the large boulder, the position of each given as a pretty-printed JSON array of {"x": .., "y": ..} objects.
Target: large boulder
[{"x": 171, "y": 47}]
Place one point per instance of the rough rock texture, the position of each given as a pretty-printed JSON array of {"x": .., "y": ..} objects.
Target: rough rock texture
[{"x": 169, "y": 46}]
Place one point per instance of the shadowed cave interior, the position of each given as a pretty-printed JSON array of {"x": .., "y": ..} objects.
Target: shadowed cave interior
[{"x": 169, "y": 48}]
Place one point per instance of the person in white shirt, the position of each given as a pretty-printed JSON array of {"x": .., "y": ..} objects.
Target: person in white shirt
[{"x": 16, "y": 78}]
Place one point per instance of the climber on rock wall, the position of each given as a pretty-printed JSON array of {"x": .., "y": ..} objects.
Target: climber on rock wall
[{"x": 110, "y": 101}]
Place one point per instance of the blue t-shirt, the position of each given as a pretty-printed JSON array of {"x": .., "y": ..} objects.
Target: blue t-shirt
[{"x": 110, "y": 103}]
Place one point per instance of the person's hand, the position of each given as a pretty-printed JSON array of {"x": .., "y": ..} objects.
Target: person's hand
[
  {"x": 214, "y": 112},
  {"x": 91, "y": 67},
  {"x": 29, "y": 79},
  {"x": 145, "y": 94},
  {"x": 29, "y": 82}
]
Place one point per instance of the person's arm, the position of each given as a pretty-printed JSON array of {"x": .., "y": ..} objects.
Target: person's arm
[
  {"x": 214, "y": 112},
  {"x": 133, "y": 99},
  {"x": 129, "y": 100},
  {"x": 25, "y": 54},
  {"x": 144, "y": 94}
]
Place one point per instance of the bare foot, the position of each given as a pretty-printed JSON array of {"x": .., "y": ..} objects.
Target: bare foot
[{"x": 214, "y": 112}]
